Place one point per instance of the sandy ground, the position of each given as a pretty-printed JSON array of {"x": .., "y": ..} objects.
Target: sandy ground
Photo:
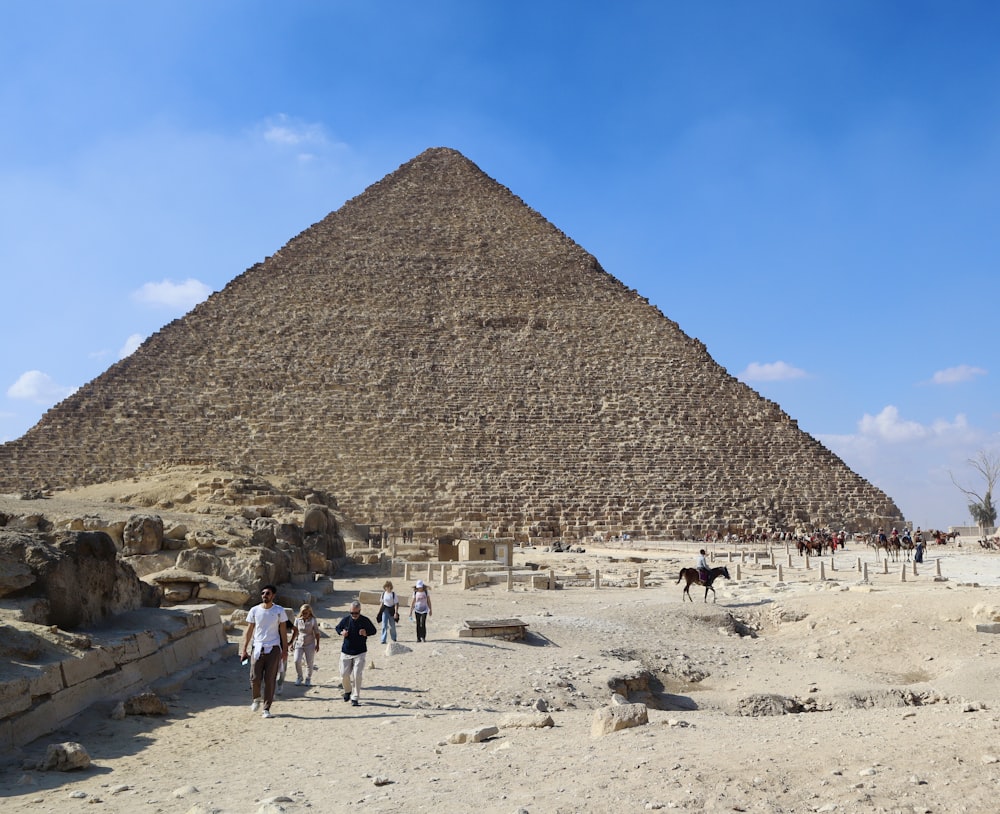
[{"x": 899, "y": 697}]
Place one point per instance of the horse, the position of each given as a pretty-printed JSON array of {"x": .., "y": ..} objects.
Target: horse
[{"x": 692, "y": 575}]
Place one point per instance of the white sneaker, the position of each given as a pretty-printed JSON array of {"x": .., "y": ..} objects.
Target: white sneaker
[
  {"x": 255, "y": 705},
  {"x": 267, "y": 714},
  {"x": 298, "y": 682},
  {"x": 309, "y": 682}
]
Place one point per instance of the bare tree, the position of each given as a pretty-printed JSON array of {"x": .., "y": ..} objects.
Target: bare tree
[{"x": 982, "y": 509}]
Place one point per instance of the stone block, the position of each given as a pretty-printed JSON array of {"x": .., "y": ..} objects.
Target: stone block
[
  {"x": 46, "y": 680},
  {"x": 15, "y": 696},
  {"x": 58, "y": 710},
  {"x": 91, "y": 663}
]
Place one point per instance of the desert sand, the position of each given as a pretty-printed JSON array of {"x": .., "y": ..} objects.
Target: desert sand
[{"x": 891, "y": 698}]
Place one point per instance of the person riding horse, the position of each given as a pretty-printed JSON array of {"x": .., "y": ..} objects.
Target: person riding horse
[{"x": 702, "y": 566}]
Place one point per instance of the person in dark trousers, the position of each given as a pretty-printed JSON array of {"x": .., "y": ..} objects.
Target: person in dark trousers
[
  {"x": 265, "y": 643},
  {"x": 355, "y": 630}
]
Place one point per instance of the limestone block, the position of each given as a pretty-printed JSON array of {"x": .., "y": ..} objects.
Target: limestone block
[
  {"x": 146, "y": 564},
  {"x": 526, "y": 720},
  {"x": 611, "y": 719},
  {"x": 14, "y": 576},
  {"x": 90, "y": 663},
  {"x": 15, "y": 696},
  {"x": 220, "y": 590},
  {"x": 46, "y": 680},
  {"x": 142, "y": 534},
  {"x": 58, "y": 710},
  {"x": 474, "y": 735},
  {"x": 64, "y": 757}
]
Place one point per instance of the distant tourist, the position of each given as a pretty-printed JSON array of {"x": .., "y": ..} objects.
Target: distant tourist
[
  {"x": 305, "y": 641},
  {"x": 420, "y": 607},
  {"x": 355, "y": 630},
  {"x": 702, "y": 566},
  {"x": 266, "y": 645},
  {"x": 389, "y": 612}
]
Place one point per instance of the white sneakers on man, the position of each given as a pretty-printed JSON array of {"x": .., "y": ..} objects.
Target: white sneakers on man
[
  {"x": 267, "y": 714},
  {"x": 255, "y": 705}
]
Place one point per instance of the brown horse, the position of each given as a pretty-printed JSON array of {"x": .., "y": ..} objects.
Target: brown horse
[{"x": 692, "y": 576}]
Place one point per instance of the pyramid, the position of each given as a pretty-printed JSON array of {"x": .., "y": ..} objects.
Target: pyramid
[{"x": 440, "y": 357}]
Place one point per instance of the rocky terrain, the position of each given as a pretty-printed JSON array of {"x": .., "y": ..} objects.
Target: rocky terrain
[{"x": 808, "y": 694}]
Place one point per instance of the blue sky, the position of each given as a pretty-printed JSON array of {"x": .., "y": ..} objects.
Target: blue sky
[{"x": 810, "y": 188}]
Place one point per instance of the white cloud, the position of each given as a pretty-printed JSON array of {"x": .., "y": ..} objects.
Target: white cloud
[
  {"x": 771, "y": 372},
  {"x": 957, "y": 375},
  {"x": 287, "y": 132},
  {"x": 130, "y": 345},
  {"x": 168, "y": 294},
  {"x": 39, "y": 388},
  {"x": 912, "y": 461}
]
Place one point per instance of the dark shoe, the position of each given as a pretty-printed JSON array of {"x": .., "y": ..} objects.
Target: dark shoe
[
  {"x": 347, "y": 696},
  {"x": 354, "y": 702}
]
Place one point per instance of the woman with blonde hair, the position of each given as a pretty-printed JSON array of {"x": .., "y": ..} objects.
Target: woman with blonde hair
[{"x": 306, "y": 643}]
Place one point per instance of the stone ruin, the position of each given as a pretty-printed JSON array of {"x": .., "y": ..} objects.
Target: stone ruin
[
  {"x": 441, "y": 357},
  {"x": 99, "y": 607}
]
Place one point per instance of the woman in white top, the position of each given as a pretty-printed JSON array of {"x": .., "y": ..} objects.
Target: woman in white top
[
  {"x": 420, "y": 606},
  {"x": 390, "y": 611}
]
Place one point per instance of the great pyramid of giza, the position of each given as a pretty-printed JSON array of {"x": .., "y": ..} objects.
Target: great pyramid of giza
[{"x": 439, "y": 356}]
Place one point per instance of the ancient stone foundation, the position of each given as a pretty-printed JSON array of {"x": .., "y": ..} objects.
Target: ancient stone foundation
[{"x": 49, "y": 681}]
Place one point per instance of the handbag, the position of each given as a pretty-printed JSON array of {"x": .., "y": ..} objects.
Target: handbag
[{"x": 381, "y": 610}]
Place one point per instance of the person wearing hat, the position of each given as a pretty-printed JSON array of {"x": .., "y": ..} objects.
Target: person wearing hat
[
  {"x": 355, "y": 630},
  {"x": 420, "y": 607}
]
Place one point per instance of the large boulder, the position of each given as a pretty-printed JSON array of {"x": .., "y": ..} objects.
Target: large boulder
[
  {"x": 77, "y": 573},
  {"x": 143, "y": 534}
]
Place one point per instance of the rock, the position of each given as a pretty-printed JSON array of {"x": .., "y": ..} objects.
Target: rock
[
  {"x": 143, "y": 534},
  {"x": 474, "y": 735},
  {"x": 77, "y": 572},
  {"x": 526, "y": 720},
  {"x": 118, "y": 713},
  {"x": 184, "y": 791},
  {"x": 610, "y": 719},
  {"x": 764, "y": 705},
  {"x": 14, "y": 576},
  {"x": 147, "y": 703},
  {"x": 381, "y": 780},
  {"x": 64, "y": 757},
  {"x": 396, "y": 649}
]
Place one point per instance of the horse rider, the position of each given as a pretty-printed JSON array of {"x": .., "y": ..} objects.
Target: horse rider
[{"x": 702, "y": 566}]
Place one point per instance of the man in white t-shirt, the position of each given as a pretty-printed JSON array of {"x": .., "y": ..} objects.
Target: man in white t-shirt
[{"x": 266, "y": 644}]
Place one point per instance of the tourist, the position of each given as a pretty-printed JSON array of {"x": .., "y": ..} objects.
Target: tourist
[
  {"x": 389, "y": 612},
  {"x": 266, "y": 645},
  {"x": 702, "y": 566},
  {"x": 355, "y": 629},
  {"x": 420, "y": 607},
  {"x": 305, "y": 641},
  {"x": 918, "y": 554}
]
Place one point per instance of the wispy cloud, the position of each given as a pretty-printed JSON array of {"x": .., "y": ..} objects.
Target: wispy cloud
[
  {"x": 130, "y": 345},
  {"x": 916, "y": 458},
  {"x": 771, "y": 372},
  {"x": 175, "y": 296},
  {"x": 39, "y": 388},
  {"x": 957, "y": 374},
  {"x": 288, "y": 132}
]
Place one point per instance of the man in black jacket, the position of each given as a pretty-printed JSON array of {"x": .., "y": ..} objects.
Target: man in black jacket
[{"x": 355, "y": 630}]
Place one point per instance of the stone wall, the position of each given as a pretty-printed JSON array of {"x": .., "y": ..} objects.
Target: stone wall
[
  {"x": 53, "y": 681},
  {"x": 439, "y": 356}
]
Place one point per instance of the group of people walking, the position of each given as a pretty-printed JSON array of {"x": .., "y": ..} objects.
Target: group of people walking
[{"x": 267, "y": 641}]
